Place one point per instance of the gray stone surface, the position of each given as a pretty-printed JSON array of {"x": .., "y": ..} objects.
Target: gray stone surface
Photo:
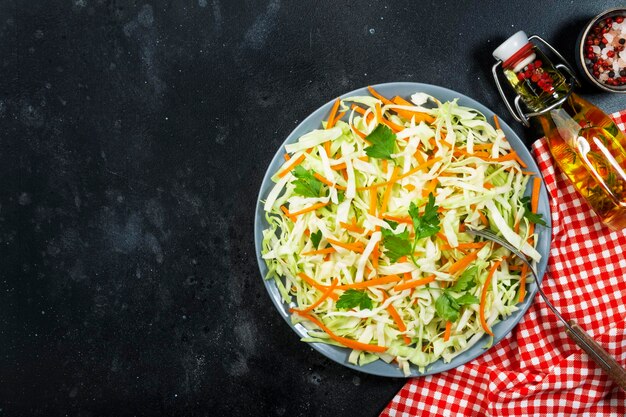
[{"x": 133, "y": 140}]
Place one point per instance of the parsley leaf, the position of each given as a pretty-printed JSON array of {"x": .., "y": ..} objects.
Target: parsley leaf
[
  {"x": 383, "y": 142},
  {"x": 465, "y": 281},
  {"x": 528, "y": 213},
  {"x": 427, "y": 224},
  {"x": 353, "y": 298},
  {"x": 306, "y": 184},
  {"x": 391, "y": 223},
  {"x": 447, "y": 307},
  {"x": 467, "y": 299},
  {"x": 316, "y": 238},
  {"x": 341, "y": 195},
  {"x": 396, "y": 245}
]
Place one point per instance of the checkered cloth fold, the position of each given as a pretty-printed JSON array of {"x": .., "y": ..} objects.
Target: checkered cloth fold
[{"x": 537, "y": 370}]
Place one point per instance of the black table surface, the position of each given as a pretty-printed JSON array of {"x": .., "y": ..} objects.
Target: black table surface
[{"x": 134, "y": 137}]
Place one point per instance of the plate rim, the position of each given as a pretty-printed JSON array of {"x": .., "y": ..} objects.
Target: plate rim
[{"x": 390, "y": 370}]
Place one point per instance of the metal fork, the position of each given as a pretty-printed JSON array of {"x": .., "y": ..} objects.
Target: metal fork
[{"x": 596, "y": 352}]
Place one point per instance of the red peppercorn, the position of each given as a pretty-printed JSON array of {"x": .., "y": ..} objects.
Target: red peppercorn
[
  {"x": 538, "y": 63},
  {"x": 591, "y": 55},
  {"x": 531, "y": 66},
  {"x": 596, "y": 74},
  {"x": 610, "y": 54},
  {"x": 619, "y": 19},
  {"x": 534, "y": 78},
  {"x": 521, "y": 76},
  {"x": 589, "y": 41},
  {"x": 608, "y": 20},
  {"x": 596, "y": 41}
]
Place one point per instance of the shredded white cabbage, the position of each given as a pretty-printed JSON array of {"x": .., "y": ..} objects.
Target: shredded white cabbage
[{"x": 337, "y": 237}]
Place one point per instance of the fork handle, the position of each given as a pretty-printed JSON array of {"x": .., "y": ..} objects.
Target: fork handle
[{"x": 614, "y": 369}]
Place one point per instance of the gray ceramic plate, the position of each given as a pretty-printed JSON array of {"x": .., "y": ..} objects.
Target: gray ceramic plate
[{"x": 379, "y": 367}]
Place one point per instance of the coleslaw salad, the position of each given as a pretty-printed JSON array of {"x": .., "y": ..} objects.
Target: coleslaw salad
[{"x": 366, "y": 237}]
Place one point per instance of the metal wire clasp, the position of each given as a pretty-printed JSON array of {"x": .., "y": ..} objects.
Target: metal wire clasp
[{"x": 518, "y": 114}]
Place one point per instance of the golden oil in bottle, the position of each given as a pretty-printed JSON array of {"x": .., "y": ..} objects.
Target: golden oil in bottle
[{"x": 585, "y": 143}]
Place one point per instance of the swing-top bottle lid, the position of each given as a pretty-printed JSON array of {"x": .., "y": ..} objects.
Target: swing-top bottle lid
[{"x": 511, "y": 47}]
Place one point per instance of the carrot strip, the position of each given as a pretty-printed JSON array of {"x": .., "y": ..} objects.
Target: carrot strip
[
  {"x": 319, "y": 252},
  {"x": 328, "y": 182},
  {"x": 352, "y": 227},
  {"x": 331, "y": 123},
  {"x": 534, "y": 201},
  {"x": 397, "y": 219},
  {"x": 414, "y": 283},
  {"x": 350, "y": 246},
  {"x": 408, "y": 174},
  {"x": 291, "y": 217},
  {"x": 430, "y": 188},
  {"x": 520, "y": 161},
  {"x": 339, "y": 167},
  {"x": 389, "y": 188},
  {"x": 387, "y": 279},
  {"x": 327, "y": 147},
  {"x": 373, "y": 202},
  {"x": 384, "y": 165},
  {"x": 363, "y": 112},
  {"x": 352, "y": 344},
  {"x": 399, "y": 322},
  {"x": 379, "y": 113},
  {"x": 409, "y": 114},
  {"x": 375, "y": 255},
  {"x": 467, "y": 245},
  {"x": 409, "y": 187},
  {"x": 511, "y": 156},
  {"x": 483, "y": 147},
  {"x": 311, "y": 208},
  {"x": 333, "y": 111},
  {"x": 488, "y": 185},
  {"x": 496, "y": 122},
  {"x": 287, "y": 157},
  {"x": 463, "y": 263},
  {"x": 522, "y": 283},
  {"x": 320, "y": 300},
  {"x": 378, "y": 96},
  {"x": 483, "y": 218},
  {"x": 359, "y": 133},
  {"x": 396, "y": 128},
  {"x": 446, "y": 335},
  {"x": 316, "y": 284},
  {"x": 483, "y": 298},
  {"x": 291, "y": 166},
  {"x": 419, "y": 157}
]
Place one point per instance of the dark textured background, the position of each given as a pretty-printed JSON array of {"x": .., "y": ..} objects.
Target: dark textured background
[{"x": 134, "y": 136}]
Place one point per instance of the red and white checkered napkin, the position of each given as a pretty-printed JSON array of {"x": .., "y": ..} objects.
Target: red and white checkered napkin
[{"x": 537, "y": 370}]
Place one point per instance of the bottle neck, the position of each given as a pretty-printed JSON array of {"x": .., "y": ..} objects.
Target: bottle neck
[{"x": 535, "y": 79}]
